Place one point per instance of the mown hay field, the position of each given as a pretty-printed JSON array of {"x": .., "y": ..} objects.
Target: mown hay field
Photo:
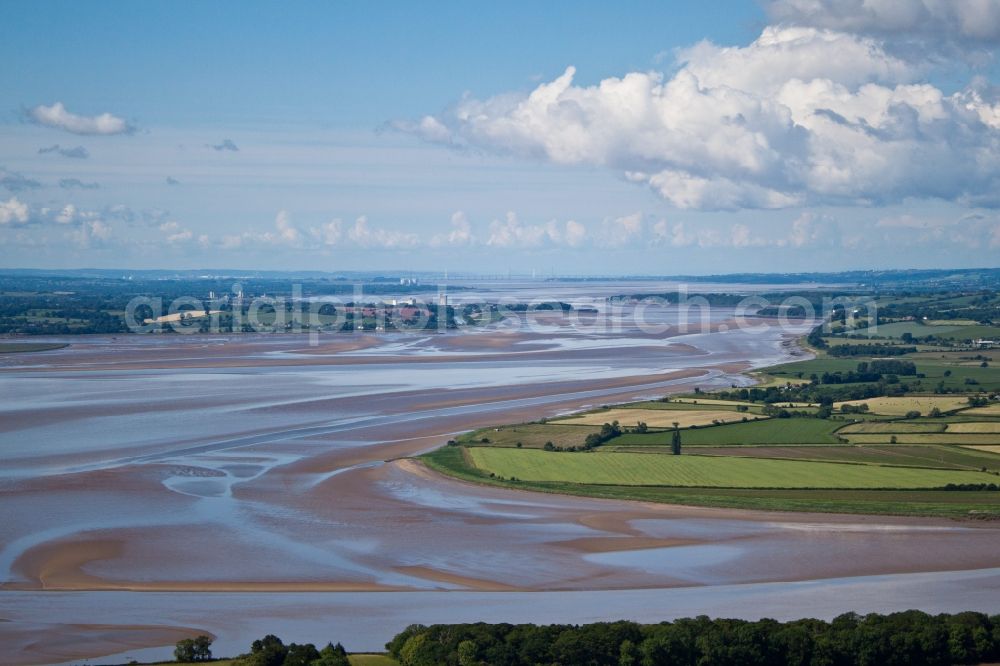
[
  {"x": 655, "y": 418},
  {"x": 732, "y": 403},
  {"x": 975, "y": 427},
  {"x": 633, "y": 469},
  {"x": 875, "y": 427},
  {"x": 900, "y": 406},
  {"x": 988, "y": 448}
]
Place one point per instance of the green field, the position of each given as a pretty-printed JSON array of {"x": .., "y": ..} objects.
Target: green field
[
  {"x": 941, "y": 330},
  {"x": 21, "y": 347},
  {"x": 924, "y": 438},
  {"x": 638, "y": 469},
  {"x": 941, "y": 457},
  {"x": 816, "y": 365},
  {"x": 453, "y": 461},
  {"x": 916, "y": 329},
  {"x": 531, "y": 435},
  {"x": 954, "y": 373},
  {"x": 952, "y": 370},
  {"x": 371, "y": 660},
  {"x": 770, "y": 431}
]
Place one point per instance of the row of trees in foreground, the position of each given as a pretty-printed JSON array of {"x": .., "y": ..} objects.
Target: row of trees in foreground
[
  {"x": 267, "y": 651},
  {"x": 909, "y": 638}
]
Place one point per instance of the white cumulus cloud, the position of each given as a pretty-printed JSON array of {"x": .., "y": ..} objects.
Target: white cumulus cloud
[
  {"x": 365, "y": 235},
  {"x": 801, "y": 116},
  {"x": 175, "y": 234},
  {"x": 91, "y": 233},
  {"x": 59, "y": 117},
  {"x": 510, "y": 232},
  {"x": 622, "y": 231},
  {"x": 459, "y": 235},
  {"x": 13, "y": 212},
  {"x": 328, "y": 233}
]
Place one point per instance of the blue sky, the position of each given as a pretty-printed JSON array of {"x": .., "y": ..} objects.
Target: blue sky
[
  {"x": 420, "y": 136},
  {"x": 335, "y": 64}
]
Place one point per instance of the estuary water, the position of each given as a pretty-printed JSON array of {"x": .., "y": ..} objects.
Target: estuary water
[{"x": 248, "y": 484}]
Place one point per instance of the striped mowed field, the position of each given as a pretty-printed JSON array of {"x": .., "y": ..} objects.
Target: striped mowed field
[
  {"x": 922, "y": 438},
  {"x": 893, "y": 427},
  {"x": 988, "y": 448},
  {"x": 975, "y": 427},
  {"x": 634, "y": 469}
]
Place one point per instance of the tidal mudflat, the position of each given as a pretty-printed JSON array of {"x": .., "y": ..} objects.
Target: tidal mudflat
[{"x": 266, "y": 465}]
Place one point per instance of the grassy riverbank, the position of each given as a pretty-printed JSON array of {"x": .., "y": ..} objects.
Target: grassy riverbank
[{"x": 886, "y": 430}]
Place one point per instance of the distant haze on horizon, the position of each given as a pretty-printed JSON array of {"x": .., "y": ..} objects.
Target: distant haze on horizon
[{"x": 641, "y": 138}]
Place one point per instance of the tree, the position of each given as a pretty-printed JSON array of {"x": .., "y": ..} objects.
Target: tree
[
  {"x": 628, "y": 654},
  {"x": 675, "y": 440},
  {"x": 467, "y": 653},
  {"x": 202, "y": 648},
  {"x": 332, "y": 655},
  {"x": 301, "y": 655},
  {"x": 267, "y": 651},
  {"x": 193, "y": 649},
  {"x": 184, "y": 650}
]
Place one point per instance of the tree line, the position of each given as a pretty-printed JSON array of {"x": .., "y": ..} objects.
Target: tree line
[{"x": 910, "y": 638}]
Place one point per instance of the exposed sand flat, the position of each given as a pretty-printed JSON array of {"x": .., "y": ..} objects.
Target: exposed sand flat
[
  {"x": 455, "y": 581},
  {"x": 617, "y": 544},
  {"x": 59, "y": 566},
  {"x": 174, "y": 351},
  {"x": 826, "y": 545}
]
